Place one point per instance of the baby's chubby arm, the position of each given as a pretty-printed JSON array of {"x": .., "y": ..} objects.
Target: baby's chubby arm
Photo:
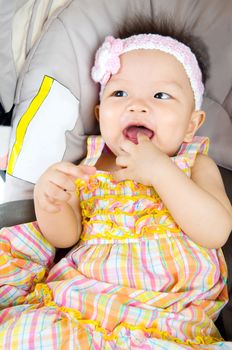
[
  {"x": 198, "y": 204},
  {"x": 57, "y": 206}
]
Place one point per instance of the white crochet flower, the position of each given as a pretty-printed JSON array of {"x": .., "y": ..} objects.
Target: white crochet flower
[{"x": 107, "y": 60}]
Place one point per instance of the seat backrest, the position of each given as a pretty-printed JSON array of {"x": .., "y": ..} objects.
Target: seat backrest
[{"x": 21, "y": 23}]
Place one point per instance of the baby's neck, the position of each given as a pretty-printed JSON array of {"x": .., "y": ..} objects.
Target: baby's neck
[{"x": 107, "y": 162}]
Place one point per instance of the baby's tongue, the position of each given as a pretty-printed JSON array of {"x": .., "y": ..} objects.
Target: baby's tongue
[{"x": 132, "y": 133}]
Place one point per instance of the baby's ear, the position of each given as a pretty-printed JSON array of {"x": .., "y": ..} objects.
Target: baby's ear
[
  {"x": 96, "y": 110},
  {"x": 196, "y": 120}
]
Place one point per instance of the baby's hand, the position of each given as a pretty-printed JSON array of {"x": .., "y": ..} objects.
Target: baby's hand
[
  {"x": 57, "y": 183},
  {"x": 139, "y": 161}
]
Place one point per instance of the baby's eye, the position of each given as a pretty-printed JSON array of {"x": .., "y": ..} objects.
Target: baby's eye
[
  {"x": 119, "y": 93},
  {"x": 162, "y": 96}
]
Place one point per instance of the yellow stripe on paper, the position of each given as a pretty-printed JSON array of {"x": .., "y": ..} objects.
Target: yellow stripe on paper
[{"x": 26, "y": 119}]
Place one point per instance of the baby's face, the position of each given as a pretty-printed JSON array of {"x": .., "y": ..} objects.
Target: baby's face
[{"x": 152, "y": 94}]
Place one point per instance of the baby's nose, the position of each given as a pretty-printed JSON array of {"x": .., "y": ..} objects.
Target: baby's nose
[{"x": 138, "y": 107}]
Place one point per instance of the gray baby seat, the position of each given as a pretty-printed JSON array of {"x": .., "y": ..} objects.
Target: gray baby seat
[{"x": 45, "y": 75}]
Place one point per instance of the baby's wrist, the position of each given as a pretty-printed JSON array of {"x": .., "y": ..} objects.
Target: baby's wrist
[{"x": 160, "y": 170}]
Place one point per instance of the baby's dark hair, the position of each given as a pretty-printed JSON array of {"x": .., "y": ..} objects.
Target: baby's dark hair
[{"x": 166, "y": 27}]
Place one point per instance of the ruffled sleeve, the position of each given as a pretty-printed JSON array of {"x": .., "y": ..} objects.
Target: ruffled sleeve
[{"x": 188, "y": 152}]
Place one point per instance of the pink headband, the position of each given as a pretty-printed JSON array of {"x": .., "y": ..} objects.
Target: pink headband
[{"x": 107, "y": 61}]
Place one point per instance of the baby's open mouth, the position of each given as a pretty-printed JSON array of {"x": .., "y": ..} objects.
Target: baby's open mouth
[{"x": 131, "y": 132}]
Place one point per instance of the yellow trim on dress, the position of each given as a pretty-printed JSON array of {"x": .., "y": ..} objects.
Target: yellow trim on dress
[{"x": 76, "y": 316}]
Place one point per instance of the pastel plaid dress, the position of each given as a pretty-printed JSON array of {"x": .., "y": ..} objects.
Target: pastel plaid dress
[{"x": 135, "y": 280}]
